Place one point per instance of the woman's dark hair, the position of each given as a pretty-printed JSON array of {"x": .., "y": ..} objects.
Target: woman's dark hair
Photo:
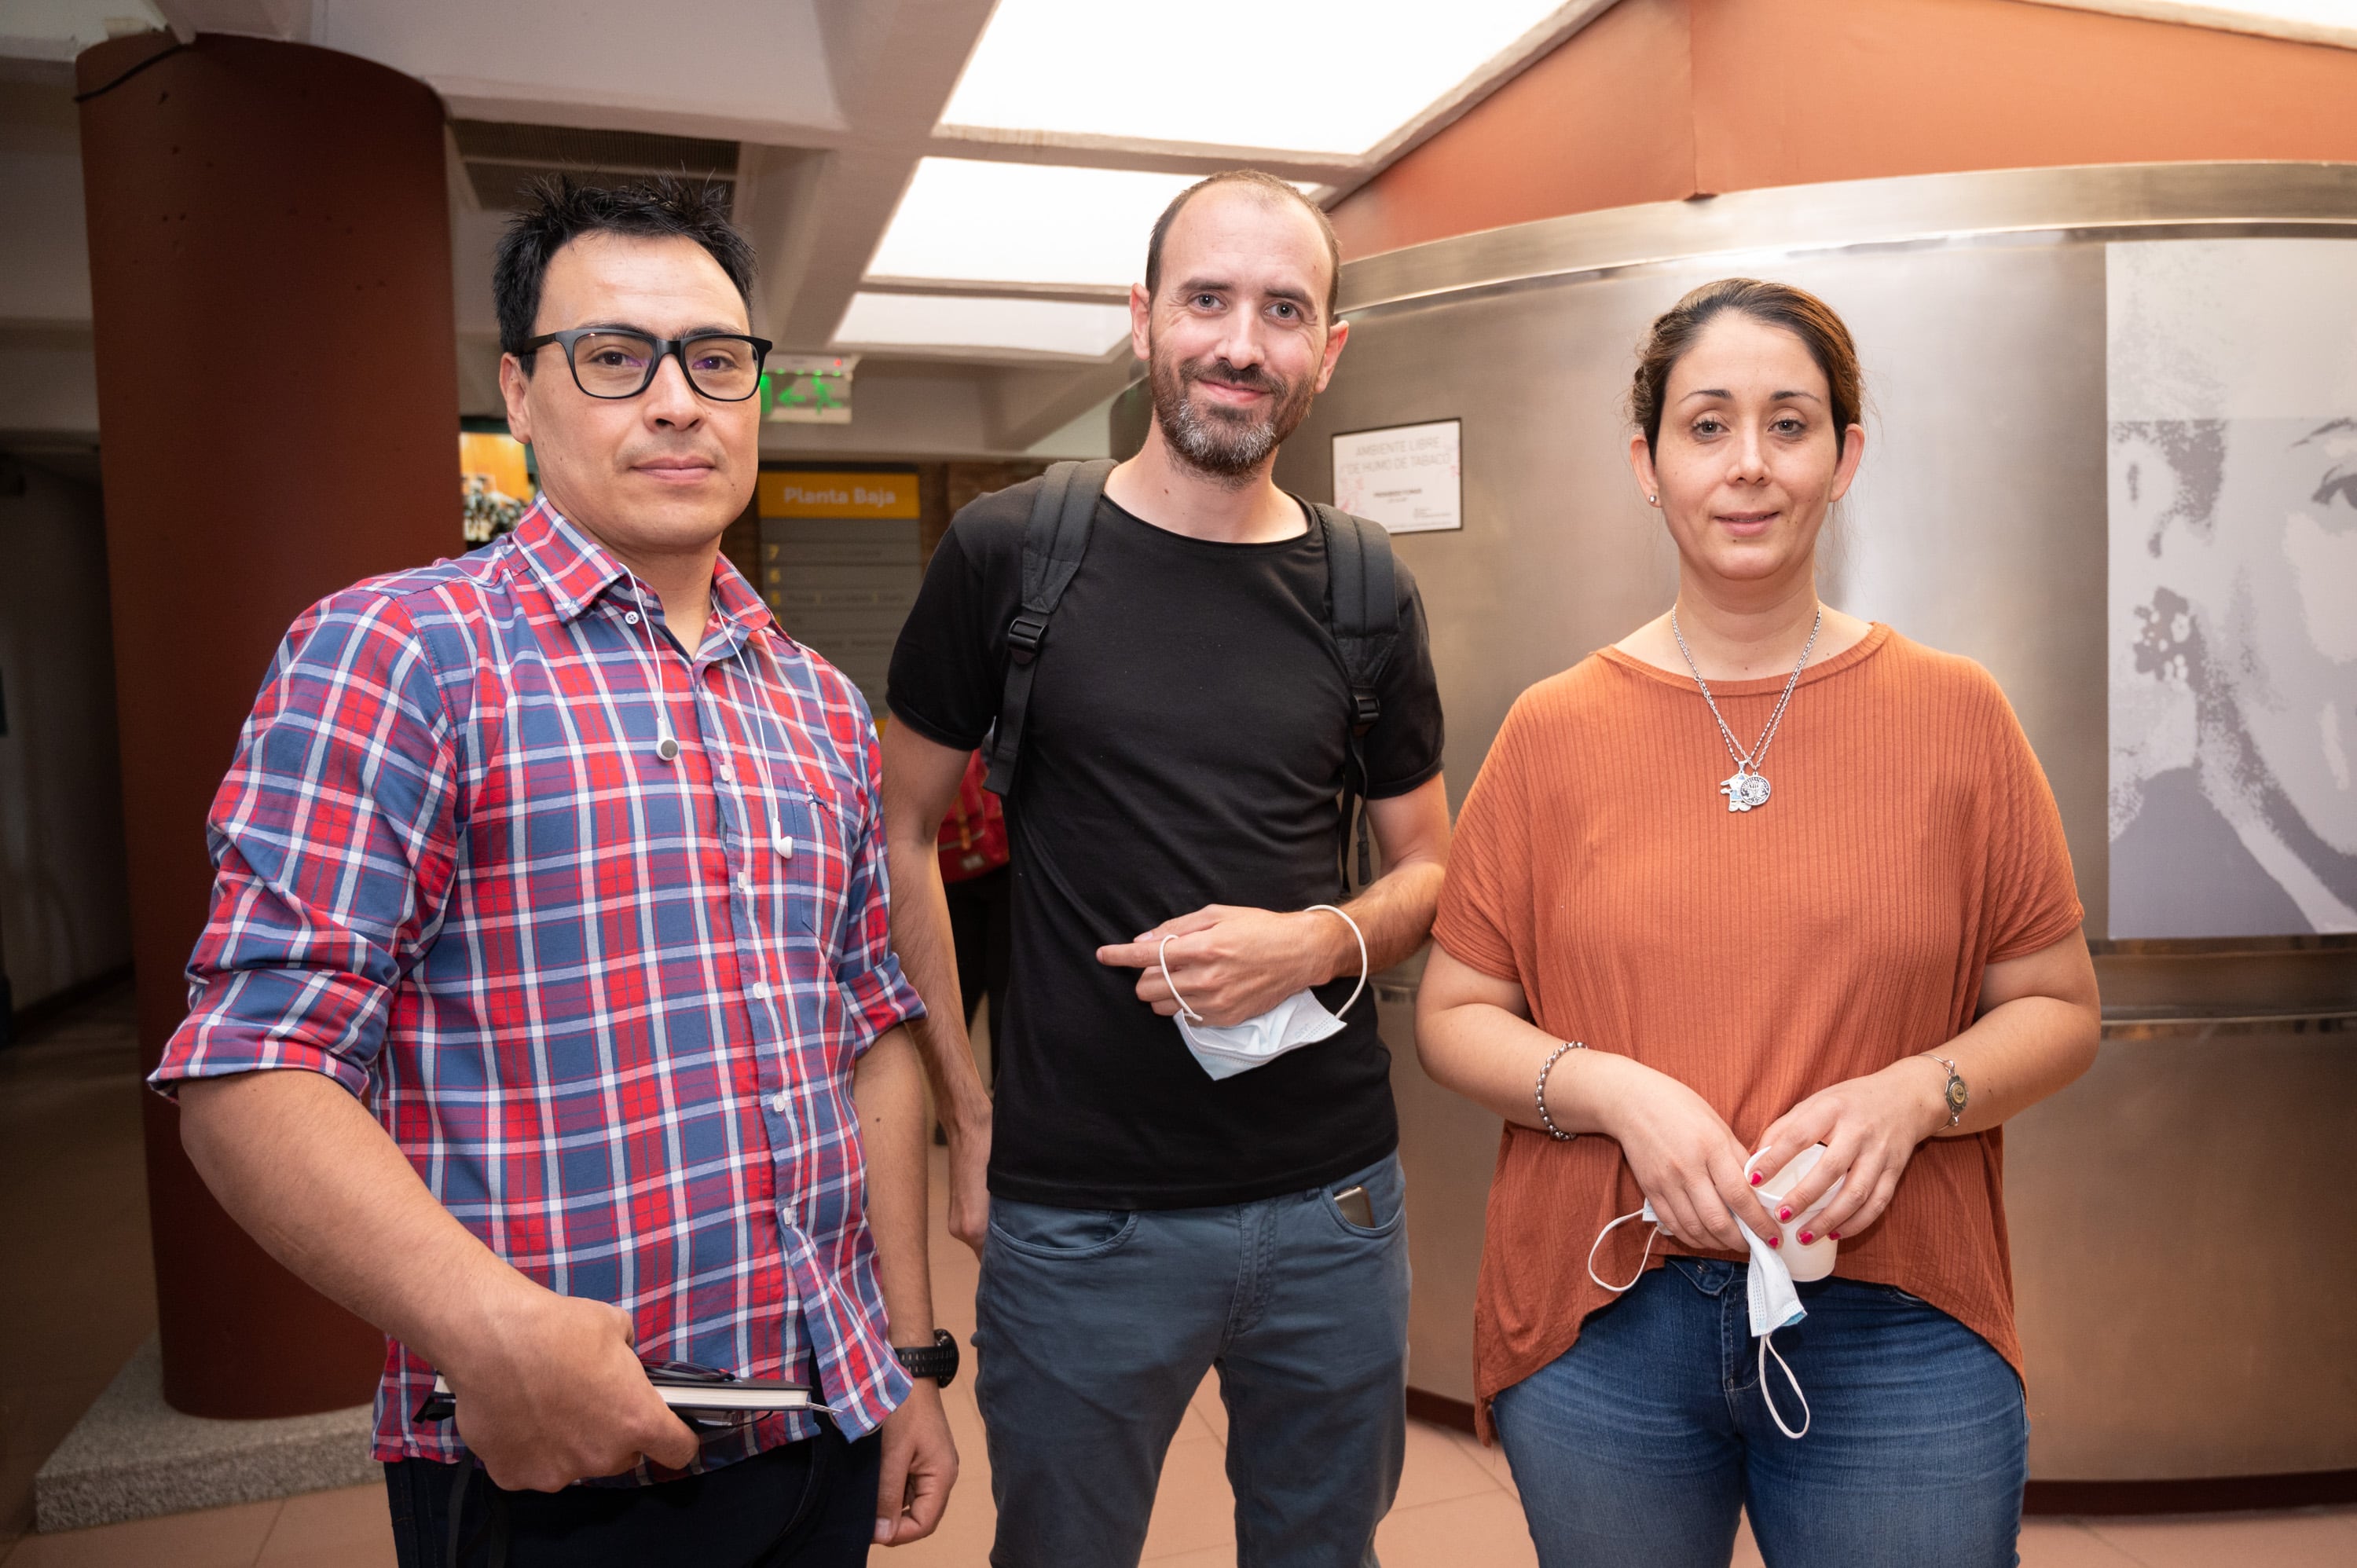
[
  {"x": 1797, "y": 311},
  {"x": 558, "y": 210}
]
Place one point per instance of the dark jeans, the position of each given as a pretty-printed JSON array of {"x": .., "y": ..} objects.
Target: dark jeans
[
  {"x": 1096, "y": 1327},
  {"x": 1641, "y": 1443},
  {"x": 807, "y": 1504}
]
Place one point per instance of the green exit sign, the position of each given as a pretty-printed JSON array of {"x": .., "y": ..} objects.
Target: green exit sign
[{"x": 808, "y": 389}]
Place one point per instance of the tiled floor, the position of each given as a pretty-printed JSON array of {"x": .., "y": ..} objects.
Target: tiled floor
[{"x": 82, "y": 1301}]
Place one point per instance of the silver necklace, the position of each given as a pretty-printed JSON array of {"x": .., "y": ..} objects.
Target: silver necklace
[{"x": 1744, "y": 789}]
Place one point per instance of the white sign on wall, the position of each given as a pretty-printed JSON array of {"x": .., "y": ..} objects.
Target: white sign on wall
[{"x": 1405, "y": 477}]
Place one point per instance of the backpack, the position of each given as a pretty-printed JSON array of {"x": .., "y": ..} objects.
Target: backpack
[
  {"x": 1362, "y": 616},
  {"x": 972, "y": 840}
]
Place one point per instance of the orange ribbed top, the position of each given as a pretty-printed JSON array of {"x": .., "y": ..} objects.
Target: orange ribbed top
[{"x": 1757, "y": 957}]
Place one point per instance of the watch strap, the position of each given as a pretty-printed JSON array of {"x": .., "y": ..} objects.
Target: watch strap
[{"x": 938, "y": 1360}]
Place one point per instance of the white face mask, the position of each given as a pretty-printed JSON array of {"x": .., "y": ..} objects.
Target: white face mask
[
  {"x": 1767, "y": 1287},
  {"x": 1299, "y": 1020}
]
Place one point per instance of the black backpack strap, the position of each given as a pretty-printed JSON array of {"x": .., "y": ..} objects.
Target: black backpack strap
[
  {"x": 1362, "y": 617},
  {"x": 1053, "y": 543}
]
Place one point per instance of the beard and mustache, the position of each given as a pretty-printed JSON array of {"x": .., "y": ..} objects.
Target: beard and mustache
[{"x": 1224, "y": 443}]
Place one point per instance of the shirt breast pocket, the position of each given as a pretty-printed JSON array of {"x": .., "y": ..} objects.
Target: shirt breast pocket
[{"x": 825, "y": 836}]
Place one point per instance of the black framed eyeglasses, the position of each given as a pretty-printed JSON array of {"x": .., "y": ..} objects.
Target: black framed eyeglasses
[{"x": 615, "y": 363}]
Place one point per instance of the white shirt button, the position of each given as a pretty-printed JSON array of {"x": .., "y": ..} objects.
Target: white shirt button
[
  {"x": 629, "y": 618},
  {"x": 745, "y": 883},
  {"x": 727, "y": 773},
  {"x": 778, "y": 1103},
  {"x": 761, "y": 989}
]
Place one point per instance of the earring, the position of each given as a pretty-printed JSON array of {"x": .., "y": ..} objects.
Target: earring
[{"x": 1652, "y": 500}]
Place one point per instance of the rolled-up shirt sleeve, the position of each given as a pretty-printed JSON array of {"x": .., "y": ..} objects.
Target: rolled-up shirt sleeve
[
  {"x": 333, "y": 843},
  {"x": 878, "y": 993}
]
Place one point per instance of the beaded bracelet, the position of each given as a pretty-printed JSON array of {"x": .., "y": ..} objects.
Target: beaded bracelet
[{"x": 1538, "y": 1091}]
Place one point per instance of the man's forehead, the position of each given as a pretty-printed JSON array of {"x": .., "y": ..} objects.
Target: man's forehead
[
  {"x": 1232, "y": 227},
  {"x": 604, "y": 276}
]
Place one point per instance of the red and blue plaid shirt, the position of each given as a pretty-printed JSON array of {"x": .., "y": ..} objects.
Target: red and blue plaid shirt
[{"x": 608, "y": 1004}]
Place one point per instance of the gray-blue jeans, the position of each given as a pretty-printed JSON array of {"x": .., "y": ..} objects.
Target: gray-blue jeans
[{"x": 1094, "y": 1328}]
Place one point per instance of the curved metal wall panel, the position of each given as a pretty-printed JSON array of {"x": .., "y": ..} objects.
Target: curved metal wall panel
[{"x": 1979, "y": 525}]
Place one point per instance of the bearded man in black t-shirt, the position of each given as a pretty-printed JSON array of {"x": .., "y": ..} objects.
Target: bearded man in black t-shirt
[{"x": 1168, "y": 1190}]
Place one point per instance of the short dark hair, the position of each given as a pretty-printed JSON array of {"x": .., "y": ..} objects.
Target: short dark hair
[
  {"x": 558, "y": 209},
  {"x": 1797, "y": 311},
  {"x": 1258, "y": 181}
]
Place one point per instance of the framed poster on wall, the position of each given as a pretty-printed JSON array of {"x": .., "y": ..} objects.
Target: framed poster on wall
[{"x": 1406, "y": 477}]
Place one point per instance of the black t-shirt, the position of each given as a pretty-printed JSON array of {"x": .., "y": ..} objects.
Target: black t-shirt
[{"x": 1184, "y": 746}]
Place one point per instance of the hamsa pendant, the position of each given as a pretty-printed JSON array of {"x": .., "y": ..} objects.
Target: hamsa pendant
[{"x": 1745, "y": 791}]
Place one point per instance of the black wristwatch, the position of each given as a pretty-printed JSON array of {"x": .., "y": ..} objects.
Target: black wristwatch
[{"x": 938, "y": 1360}]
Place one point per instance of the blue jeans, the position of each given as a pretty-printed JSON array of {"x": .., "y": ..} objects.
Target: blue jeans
[
  {"x": 1643, "y": 1442},
  {"x": 1096, "y": 1327}
]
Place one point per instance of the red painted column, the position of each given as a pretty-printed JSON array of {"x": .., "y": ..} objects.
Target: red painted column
[{"x": 270, "y": 272}]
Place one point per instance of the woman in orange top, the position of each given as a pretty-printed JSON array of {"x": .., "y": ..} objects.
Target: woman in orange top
[{"x": 1879, "y": 953}]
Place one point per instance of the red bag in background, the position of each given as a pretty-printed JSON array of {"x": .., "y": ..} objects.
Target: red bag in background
[{"x": 974, "y": 835}]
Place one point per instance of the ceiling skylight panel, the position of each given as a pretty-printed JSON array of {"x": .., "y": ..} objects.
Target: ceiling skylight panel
[
  {"x": 1312, "y": 76},
  {"x": 991, "y": 222},
  {"x": 982, "y": 323}
]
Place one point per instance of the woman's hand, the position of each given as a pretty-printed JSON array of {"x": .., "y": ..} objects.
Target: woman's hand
[
  {"x": 1869, "y": 1127},
  {"x": 1687, "y": 1161}
]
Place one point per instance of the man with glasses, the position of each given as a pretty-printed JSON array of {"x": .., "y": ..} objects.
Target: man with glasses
[{"x": 545, "y": 1017}]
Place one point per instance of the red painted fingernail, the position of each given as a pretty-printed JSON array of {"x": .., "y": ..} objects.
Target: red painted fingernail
[
  {"x": 1806, "y": 1238},
  {"x": 1783, "y": 1214},
  {"x": 1833, "y": 1235},
  {"x": 1757, "y": 1178},
  {"x": 1775, "y": 1240}
]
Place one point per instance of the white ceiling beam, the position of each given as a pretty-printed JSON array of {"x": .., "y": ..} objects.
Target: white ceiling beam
[
  {"x": 969, "y": 354},
  {"x": 1023, "y": 407},
  {"x": 777, "y": 190},
  {"x": 900, "y": 412},
  {"x": 817, "y": 227},
  {"x": 1070, "y": 293},
  {"x": 749, "y": 71},
  {"x": 525, "y": 105},
  {"x": 1075, "y": 150}
]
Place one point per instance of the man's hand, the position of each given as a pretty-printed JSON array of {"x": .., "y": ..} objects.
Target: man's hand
[
  {"x": 969, "y": 1216},
  {"x": 1231, "y": 964},
  {"x": 921, "y": 1465},
  {"x": 548, "y": 1390},
  {"x": 553, "y": 1393},
  {"x": 921, "y": 780}
]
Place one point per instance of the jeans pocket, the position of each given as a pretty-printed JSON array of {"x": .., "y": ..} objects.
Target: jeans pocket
[
  {"x": 1044, "y": 1231},
  {"x": 1386, "y": 1189}
]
